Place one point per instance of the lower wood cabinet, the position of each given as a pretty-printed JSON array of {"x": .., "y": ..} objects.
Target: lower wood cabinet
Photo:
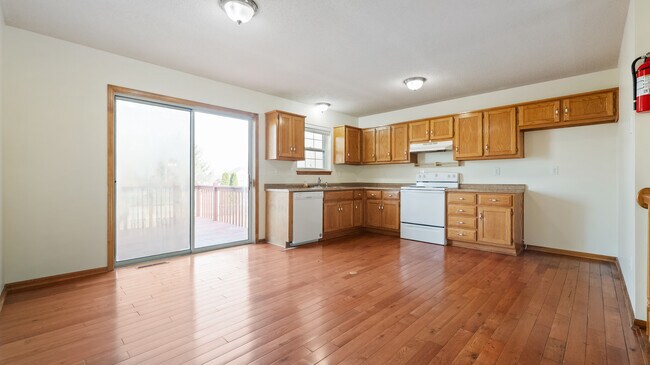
[
  {"x": 486, "y": 221},
  {"x": 383, "y": 210}
]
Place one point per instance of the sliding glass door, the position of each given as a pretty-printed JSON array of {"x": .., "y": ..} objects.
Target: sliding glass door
[{"x": 182, "y": 180}]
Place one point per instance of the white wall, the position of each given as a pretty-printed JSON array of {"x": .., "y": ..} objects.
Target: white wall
[
  {"x": 575, "y": 210},
  {"x": 54, "y": 146}
]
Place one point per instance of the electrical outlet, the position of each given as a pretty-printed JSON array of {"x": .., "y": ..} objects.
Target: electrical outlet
[
  {"x": 497, "y": 171},
  {"x": 556, "y": 170}
]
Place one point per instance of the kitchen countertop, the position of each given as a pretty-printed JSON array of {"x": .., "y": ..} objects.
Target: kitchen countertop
[
  {"x": 491, "y": 188},
  {"x": 469, "y": 188},
  {"x": 333, "y": 187}
]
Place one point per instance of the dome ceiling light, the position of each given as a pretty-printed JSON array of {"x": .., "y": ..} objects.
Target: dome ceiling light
[
  {"x": 414, "y": 83},
  {"x": 322, "y": 107},
  {"x": 240, "y": 11}
]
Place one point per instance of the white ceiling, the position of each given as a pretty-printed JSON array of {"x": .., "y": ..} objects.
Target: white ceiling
[{"x": 352, "y": 53}]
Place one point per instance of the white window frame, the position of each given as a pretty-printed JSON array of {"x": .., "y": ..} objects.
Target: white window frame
[{"x": 327, "y": 148}]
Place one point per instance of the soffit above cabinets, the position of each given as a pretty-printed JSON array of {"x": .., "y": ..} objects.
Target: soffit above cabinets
[{"x": 354, "y": 54}]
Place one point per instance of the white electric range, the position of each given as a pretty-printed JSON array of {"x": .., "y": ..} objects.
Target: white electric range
[{"x": 423, "y": 207}]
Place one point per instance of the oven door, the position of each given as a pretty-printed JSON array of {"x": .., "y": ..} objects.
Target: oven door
[{"x": 426, "y": 207}]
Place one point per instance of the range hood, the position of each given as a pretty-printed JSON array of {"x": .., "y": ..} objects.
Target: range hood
[{"x": 441, "y": 146}]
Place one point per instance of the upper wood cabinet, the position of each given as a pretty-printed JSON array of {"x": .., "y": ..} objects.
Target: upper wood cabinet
[
  {"x": 399, "y": 143},
  {"x": 468, "y": 137},
  {"x": 285, "y": 136},
  {"x": 431, "y": 130},
  {"x": 500, "y": 132},
  {"x": 492, "y": 134},
  {"x": 533, "y": 115},
  {"x": 582, "y": 109},
  {"x": 347, "y": 145},
  {"x": 383, "y": 150},
  {"x": 369, "y": 146}
]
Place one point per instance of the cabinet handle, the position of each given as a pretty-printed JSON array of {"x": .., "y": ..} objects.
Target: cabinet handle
[
  {"x": 557, "y": 112},
  {"x": 494, "y": 200},
  {"x": 566, "y": 110},
  {"x": 390, "y": 195},
  {"x": 457, "y": 149},
  {"x": 426, "y": 132},
  {"x": 461, "y": 211},
  {"x": 348, "y": 154},
  {"x": 461, "y": 234},
  {"x": 461, "y": 198},
  {"x": 487, "y": 147},
  {"x": 480, "y": 216},
  {"x": 373, "y": 155},
  {"x": 356, "y": 207},
  {"x": 461, "y": 222}
]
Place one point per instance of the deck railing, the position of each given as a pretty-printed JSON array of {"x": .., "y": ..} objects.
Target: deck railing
[
  {"x": 153, "y": 207},
  {"x": 227, "y": 204}
]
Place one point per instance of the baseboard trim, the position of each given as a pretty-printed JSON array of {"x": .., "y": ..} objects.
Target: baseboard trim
[
  {"x": 640, "y": 323},
  {"x": 52, "y": 280},
  {"x": 583, "y": 255},
  {"x": 3, "y": 295}
]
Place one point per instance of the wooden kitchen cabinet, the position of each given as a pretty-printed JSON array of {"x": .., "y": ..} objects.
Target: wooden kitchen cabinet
[
  {"x": 338, "y": 211},
  {"x": 492, "y": 134},
  {"x": 383, "y": 149},
  {"x": 431, "y": 130},
  {"x": 573, "y": 110},
  {"x": 468, "y": 137},
  {"x": 399, "y": 143},
  {"x": 486, "y": 221},
  {"x": 285, "y": 136},
  {"x": 347, "y": 145},
  {"x": 383, "y": 210},
  {"x": 369, "y": 146},
  {"x": 500, "y": 132}
]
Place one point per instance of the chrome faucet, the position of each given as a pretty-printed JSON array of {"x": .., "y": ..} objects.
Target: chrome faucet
[{"x": 319, "y": 182}]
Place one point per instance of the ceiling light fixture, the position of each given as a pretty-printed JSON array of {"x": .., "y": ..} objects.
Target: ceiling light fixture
[
  {"x": 322, "y": 107},
  {"x": 240, "y": 11},
  {"x": 414, "y": 83}
]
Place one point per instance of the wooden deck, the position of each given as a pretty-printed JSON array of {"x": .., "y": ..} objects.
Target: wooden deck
[{"x": 367, "y": 299}]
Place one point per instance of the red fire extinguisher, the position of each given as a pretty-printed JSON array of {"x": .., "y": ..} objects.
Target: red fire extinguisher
[{"x": 641, "y": 81}]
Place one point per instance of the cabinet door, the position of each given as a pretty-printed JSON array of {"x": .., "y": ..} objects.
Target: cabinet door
[
  {"x": 331, "y": 216},
  {"x": 419, "y": 131},
  {"x": 538, "y": 114},
  {"x": 368, "y": 145},
  {"x": 358, "y": 213},
  {"x": 285, "y": 139},
  {"x": 468, "y": 136},
  {"x": 383, "y": 144},
  {"x": 592, "y": 107},
  {"x": 390, "y": 214},
  {"x": 495, "y": 225},
  {"x": 352, "y": 145},
  {"x": 346, "y": 215},
  {"x": 298, "y": 137},
  {"x": 441, "y": 129},
  {"x": 399, "y": 143},
  {"x": 500, "y": 132},
  {"x": 373, "y": 213}
]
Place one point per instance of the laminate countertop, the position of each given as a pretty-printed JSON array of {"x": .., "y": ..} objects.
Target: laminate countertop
[
  {"x": 491, "y": 188},
  {"x": 469, "y": 188}
]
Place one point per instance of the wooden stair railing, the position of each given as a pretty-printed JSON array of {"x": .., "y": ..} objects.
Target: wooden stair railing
[{"x": 643, "y": 199}]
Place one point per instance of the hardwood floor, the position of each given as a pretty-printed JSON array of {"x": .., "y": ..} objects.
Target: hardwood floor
[{"x": 367, "y": 299}]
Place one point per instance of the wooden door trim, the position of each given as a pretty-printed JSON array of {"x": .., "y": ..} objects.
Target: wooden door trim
[{"x": 112, "y": 92}]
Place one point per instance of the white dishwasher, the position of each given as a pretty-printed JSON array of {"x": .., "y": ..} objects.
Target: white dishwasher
[{"x": 307, "y": 217}]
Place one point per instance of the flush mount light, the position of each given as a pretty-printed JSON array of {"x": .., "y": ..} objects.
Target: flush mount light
[
  {"x": 414, "y": 83},
  {"x": 322, "y": 107},
  {"x": 240, "y": 11}
]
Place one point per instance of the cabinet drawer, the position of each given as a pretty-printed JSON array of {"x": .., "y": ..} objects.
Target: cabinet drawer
[
  {"x": 496, "y": 200},
  {"x": 461, "y": 210},
  {"x": 358, "y": 194},
  {"x": 461, "y": 222},
  {"x": 338, "y": 195},
  {"x": 461, "y": 198},
  {"x": 373, "y": 194},
  {"x": 390, "y": 195},
  {"x": 461, "y": 234}
]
